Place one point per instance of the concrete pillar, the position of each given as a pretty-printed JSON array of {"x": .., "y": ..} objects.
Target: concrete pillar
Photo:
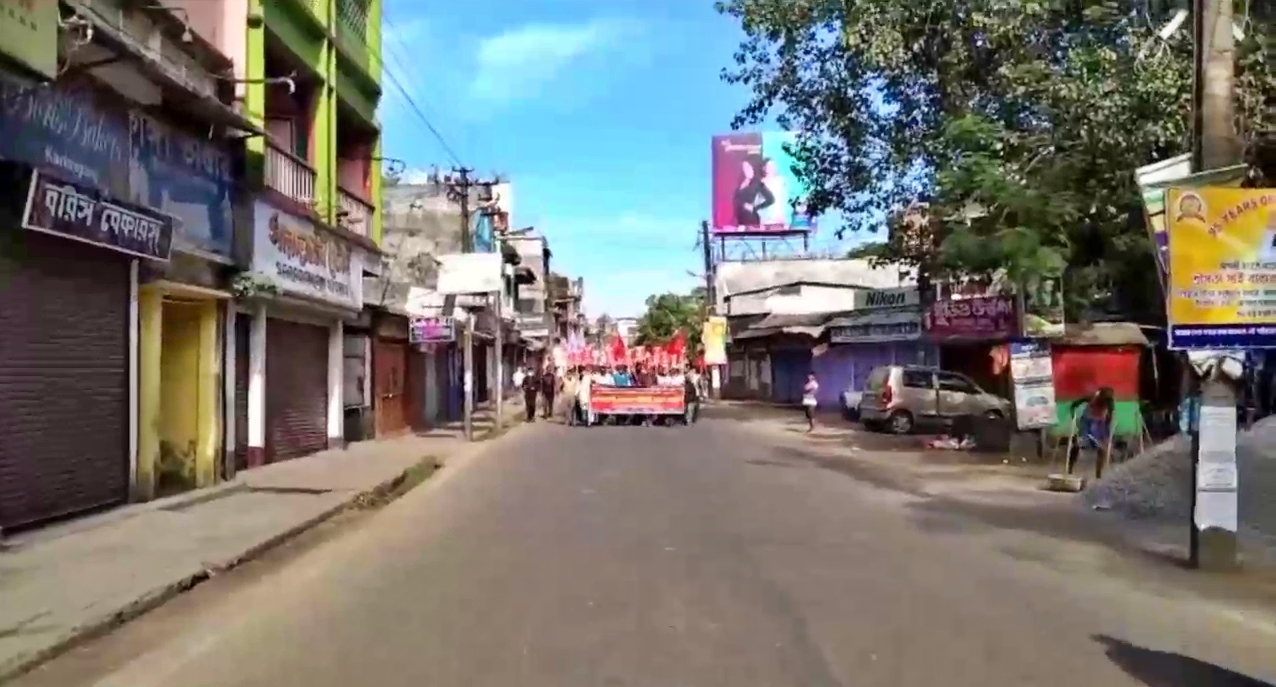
[
  {"x": 257, "y": 389},
  {"x": 150, "y": 313},
  {"x": 208, "y": 422},
  {"x": 229, "y": 358},
  {"x": 336, "y": 375}
]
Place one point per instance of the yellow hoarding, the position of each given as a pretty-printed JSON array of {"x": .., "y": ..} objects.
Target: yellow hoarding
[
  {"x": 1222, "y": 259},
  {"x": 714, "y": 338}
]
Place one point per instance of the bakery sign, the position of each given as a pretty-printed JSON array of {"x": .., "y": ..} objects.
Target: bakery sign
[{"x": 304, "y": 260}]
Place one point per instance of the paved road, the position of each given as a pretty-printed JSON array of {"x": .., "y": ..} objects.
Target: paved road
[{"x": 677, "y": 557}]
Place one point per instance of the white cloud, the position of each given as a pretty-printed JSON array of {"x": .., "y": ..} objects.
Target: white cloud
[{"x": 517, "y": 63}]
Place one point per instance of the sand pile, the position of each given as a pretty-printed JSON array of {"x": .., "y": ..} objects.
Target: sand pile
[{"x": 1157, "y": 483}]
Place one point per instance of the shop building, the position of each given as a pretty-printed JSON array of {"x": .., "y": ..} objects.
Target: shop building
[
  {"x": 885, "y": 328},
  {"x": 306, "y": 283},
  {"x": 122, "y": 252},
  {"x": 967, "y": 333}
]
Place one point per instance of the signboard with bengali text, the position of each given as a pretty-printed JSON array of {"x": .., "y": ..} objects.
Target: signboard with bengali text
[
  {"x": 655, "y": 400},
  {"x": 1222, "y": 252}
]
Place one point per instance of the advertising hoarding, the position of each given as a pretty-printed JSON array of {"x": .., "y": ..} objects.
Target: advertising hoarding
[{"x": 755, "y": 187}]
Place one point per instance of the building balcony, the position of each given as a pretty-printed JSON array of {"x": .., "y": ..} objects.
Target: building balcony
[
  {"x": 289, "y": 175},
  {"x": 355, "y": 212}
]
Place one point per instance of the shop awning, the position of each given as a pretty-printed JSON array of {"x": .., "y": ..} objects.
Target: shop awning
[{"x": 803, "y": 324}]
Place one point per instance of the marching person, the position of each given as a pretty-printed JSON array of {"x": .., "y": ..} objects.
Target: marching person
[
  {"x": 581, "y": 406},
  {"x": 530, "y": 384},
  {"x": 549, "y": 388}
]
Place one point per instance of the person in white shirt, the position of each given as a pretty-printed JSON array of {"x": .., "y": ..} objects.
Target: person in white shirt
[
  {"x": 809, "y": 401},
  {"x": 519, "y": 375},
  {"x": 582, "y": 397}
]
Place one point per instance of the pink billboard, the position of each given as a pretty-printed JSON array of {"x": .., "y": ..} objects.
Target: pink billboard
[{"x": 755, "y": 188}]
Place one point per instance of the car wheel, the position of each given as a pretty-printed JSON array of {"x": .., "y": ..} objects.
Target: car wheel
[{"x": 901, "y": 422}]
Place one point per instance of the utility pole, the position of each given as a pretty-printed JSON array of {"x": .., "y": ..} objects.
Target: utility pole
[
  {"x": 708, "y": 267},
  {"x": 1214, "y": 144},
  {"x": 711, "y": 303},
  {"x": 460, "y": 191}
]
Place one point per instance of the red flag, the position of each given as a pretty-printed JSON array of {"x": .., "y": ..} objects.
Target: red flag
[
  {"x": 678, "y": 344},
  {"x": 617, "y": 351}
]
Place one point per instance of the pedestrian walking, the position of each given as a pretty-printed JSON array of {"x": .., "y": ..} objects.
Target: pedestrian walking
[
  {"x": 530, "y": 386},
  {"x": 519, "y": 375},
  {"x": 809, "y": 401},
  {"x": 549, "y": 389},
  {"x": 691, "y": 397}
]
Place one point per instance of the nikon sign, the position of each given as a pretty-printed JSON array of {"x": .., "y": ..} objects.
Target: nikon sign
[{"x": 902, "y": 297}]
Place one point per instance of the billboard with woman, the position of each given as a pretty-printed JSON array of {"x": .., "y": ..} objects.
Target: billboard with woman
[{"x": 755, "y": 188}]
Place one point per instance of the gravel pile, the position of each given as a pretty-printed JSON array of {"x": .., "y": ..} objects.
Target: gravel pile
[{"x": 1157, "y": 483}]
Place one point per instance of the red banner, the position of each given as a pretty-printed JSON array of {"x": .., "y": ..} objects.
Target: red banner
[{"x": 653, "y": 400}]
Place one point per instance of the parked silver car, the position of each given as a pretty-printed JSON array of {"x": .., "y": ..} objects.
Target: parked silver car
[{"x": 899, "y": 397}]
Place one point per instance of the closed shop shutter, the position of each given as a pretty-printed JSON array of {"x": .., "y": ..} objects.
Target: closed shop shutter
[
  {"x": 64, "y": 420},
  {"x": 390, "y": 360},
  {"x": 296, "y": 389},
  {"x": 243, "y": 344}
]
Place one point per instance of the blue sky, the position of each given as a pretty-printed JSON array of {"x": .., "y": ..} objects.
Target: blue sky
[{"x": 599, "y": 111}]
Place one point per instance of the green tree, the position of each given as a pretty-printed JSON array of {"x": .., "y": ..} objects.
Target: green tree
[
  {"x": 669, "y": 313},
  {"x": 1034, "y": 113}
]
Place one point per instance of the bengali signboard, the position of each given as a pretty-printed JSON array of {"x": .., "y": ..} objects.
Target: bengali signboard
[
  {"x": 185, "y": 176},
  {"x": 986, "y": 318},
  {"x": 878, "y": 326},
  {"x": 1222, "y": 249},
  {"x": 70, "y": 130},
  {"x": 304, "y": 260},
  {"x": 87, "y": 215},
  {"x": 428, "y": 330},
  {"x": 655, "y": 400},
  {"x": 1032, "y": 374}
]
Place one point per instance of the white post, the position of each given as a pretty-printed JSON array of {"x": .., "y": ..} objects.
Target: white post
[
  {"x": 336, "y": 374},
  {"x": 715, "y": 380},
  {"x": 257, "y": 388},
  {"x": 228, "y": 392},
  {"x": 499, "y": 354}
]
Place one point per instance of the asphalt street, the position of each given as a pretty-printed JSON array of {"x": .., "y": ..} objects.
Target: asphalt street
[{"x": 673, "y": 557}]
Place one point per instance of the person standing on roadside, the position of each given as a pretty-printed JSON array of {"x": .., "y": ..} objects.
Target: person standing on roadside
[
  {"x": 530, "y": 384},
  {"x": 691, "y": 397},
  {"x": 549, "y": 389},
  {"x": 809, "y": 401}
]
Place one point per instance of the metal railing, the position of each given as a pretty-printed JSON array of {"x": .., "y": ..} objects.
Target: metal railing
[
  {"x": 289, "y": 175},
  {"x": 356, "y": 213}
]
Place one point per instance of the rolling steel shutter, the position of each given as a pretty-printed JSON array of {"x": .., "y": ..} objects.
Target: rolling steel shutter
[
  {"x": 64, "y": 356},
  {"x": 296, "y": 389}
]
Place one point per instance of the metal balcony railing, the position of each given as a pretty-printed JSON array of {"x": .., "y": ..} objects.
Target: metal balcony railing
[
  {"x": 289, "y": 175},
  {"x": 356, "y": 213}
]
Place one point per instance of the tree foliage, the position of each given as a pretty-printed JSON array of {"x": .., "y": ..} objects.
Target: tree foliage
[
  {"x": 1019, "y": 123},
  {"x": 669, "y": 313}
]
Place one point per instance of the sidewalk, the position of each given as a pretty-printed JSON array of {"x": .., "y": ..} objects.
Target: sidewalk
[{"x": 66, "y": 581}]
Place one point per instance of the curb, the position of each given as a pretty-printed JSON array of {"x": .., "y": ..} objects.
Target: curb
[{"x": 161, "y": 595}]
